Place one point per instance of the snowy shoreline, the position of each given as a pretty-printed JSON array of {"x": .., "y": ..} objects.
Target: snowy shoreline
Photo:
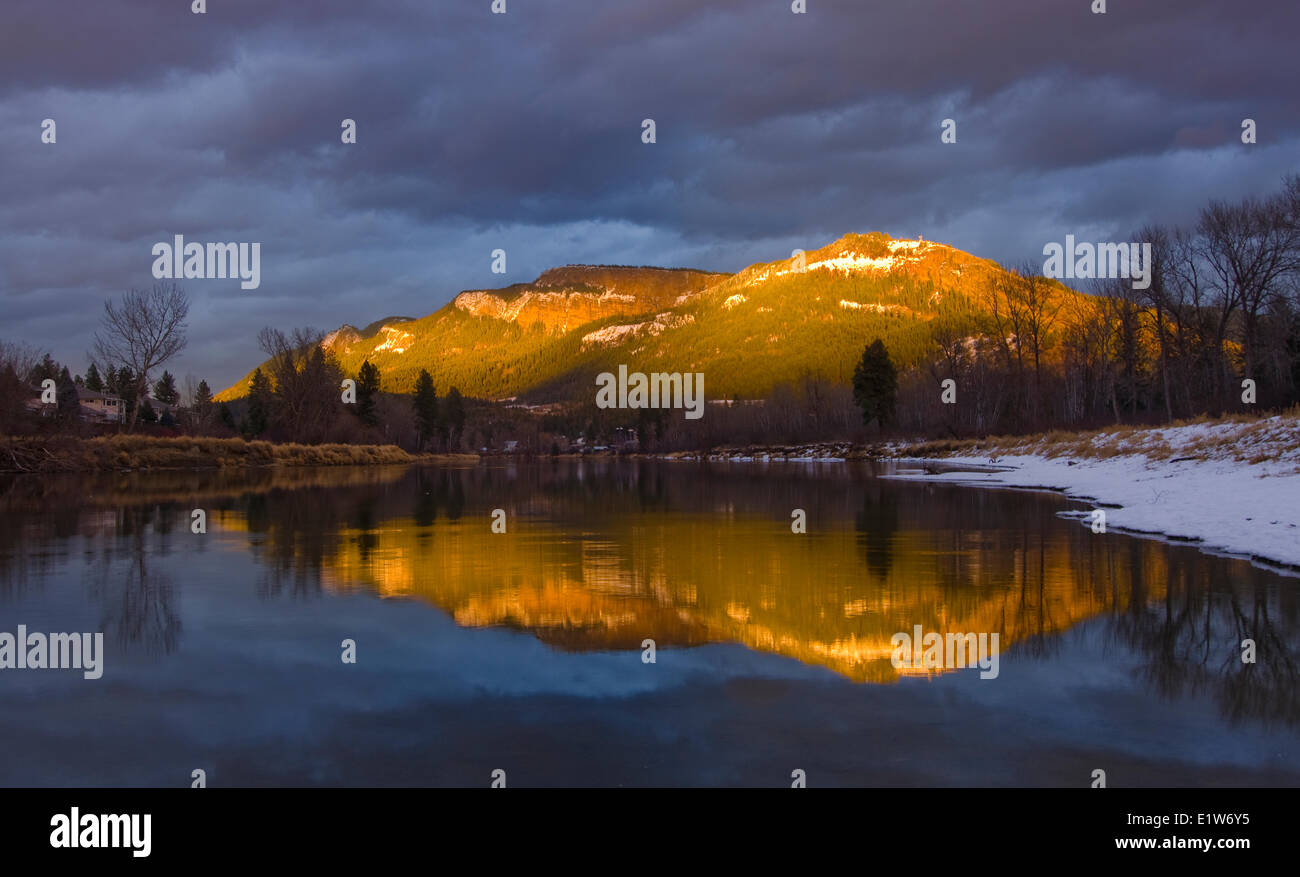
[
  {"x": 1236, "y": 492},
  {"x": 1230, "y": 487}
]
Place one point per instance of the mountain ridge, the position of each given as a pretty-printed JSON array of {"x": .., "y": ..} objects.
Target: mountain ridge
[{"x": 771, "y": 322}]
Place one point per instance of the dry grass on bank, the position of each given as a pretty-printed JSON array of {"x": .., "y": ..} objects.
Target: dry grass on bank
[{"x": 67, "y": 454}]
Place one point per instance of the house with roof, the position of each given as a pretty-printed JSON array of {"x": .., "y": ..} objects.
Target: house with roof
[
  {"x": 101, "y": 406},
  {"x": 93, "y": 406}
]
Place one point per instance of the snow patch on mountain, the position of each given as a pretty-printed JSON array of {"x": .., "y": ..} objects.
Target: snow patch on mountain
[
  {"x": 871, "y": 306},
  {"x": 612, "y": 336},
  {"x": 901, "y": 253},
  {"x": 395, "y": 340}
]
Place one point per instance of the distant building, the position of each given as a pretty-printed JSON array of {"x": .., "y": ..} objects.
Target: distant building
[
  {"x": 626, "y": 440},
  {"x": 101, "y": 406},
  {"x": 98, "y": 407}
]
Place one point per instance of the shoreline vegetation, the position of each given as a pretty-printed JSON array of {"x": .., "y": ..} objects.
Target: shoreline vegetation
[
  {"x": 1248, "y": 438},
  {"x": 1245, "y": 438},
  {"x": 46, "y": 454}
]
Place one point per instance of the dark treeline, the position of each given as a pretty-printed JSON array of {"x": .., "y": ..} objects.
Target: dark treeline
[
  {"x": 1223, "y": 306},
  {"x": 1217, "y": 330},
  {"x": 303, "y": 395},
  {"x": 299, "y": 396}
]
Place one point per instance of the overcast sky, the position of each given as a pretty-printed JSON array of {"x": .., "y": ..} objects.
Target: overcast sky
[{"x": 523, "y": 131}]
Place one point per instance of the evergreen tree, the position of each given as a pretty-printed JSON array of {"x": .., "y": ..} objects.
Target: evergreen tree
[
  {"x": 227, "y": 419},
  {"x": 199, "y": 417},
  {"x": 875, "y": 384},
  {"x": 46, "y": 369},
  {"x": 167, "y": 419},
  {"x": 164, "y": 389},
  {"x": 425, "y": 404},
  {"x": 367, "y": 390},
  {"x": 259, "y": 405},
  {"x": 202, "y": 395},
  {"x": 68, "y": 406},
  {"x": 147, "y": 414},
  {"x": 93, "y": 380},
  {"x": 453, "y": 418},
  {"x": 126, "y": 388}
]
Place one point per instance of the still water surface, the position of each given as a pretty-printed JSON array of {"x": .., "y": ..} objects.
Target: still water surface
[{"x": 523, "y": 651}]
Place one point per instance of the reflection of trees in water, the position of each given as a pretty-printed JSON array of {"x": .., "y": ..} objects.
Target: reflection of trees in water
[
  {"x": 364, "y": 523},
  {"x": 1030, "y": 618},
  {"x": 650, "y": 486},
  {"x": 436, "y": 489},
  {"x": 1183, "y": 613},
  {"x": 1271, "y": 686},
  {"x": 1191, "y": 640},
  {"x": 1000, "y": 560},
  {"x": 876, "y": 523},
  {"x": 450, "y": 493},
  {"x": 298, "y": 532},
  {"x": 138, "y": 601},
  {"x": 425, "y": 512},
  {"x": 988, "y": 560},
  {"x": 31, "y": 545}
]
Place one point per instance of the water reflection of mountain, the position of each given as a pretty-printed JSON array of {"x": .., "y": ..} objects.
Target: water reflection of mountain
[{"x": 601, "y": 555}]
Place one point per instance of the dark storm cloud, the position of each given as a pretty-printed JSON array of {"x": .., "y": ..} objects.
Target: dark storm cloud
[{"x": 522, "y": 131}]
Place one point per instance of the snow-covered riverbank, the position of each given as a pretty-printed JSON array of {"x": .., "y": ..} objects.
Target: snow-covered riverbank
[{"x": 1230, "y": 486}]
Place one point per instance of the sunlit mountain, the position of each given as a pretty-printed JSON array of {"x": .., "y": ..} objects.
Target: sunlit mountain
[{"x": 773, "y": 322}]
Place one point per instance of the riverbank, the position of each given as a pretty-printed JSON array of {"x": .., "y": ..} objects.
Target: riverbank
[
  {"x": 1231, "y": 486},
  {"x": 129, "y": 452}
]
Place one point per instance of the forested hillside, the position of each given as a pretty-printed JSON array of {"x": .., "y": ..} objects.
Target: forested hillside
[{"x": 770, "y": 323}]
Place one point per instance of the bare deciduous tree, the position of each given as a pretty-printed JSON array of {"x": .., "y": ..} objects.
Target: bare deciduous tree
[
  {"x": 305, "y": 381},
  {"x": 1250, "y": 247},
  {"x": 17, "y": 361},
  {"x": 142, "y": 331}
]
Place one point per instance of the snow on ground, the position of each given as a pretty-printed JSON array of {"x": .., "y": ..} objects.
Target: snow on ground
[{"x": 1239, "y": 493}]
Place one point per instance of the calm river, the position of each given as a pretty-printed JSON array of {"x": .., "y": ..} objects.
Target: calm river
[{"x": 526, "y": 651}]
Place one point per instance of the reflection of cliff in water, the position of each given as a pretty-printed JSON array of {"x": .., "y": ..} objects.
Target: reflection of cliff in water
[{"x": 602, "y": 555}]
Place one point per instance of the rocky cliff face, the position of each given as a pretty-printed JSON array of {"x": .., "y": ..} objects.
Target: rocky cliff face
[
  {"x": 341, "y": 339},
  {"x": 771, "y": 323},
  {"x": 386, "y": 334},
  {"x": 562, "y": 299}
]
